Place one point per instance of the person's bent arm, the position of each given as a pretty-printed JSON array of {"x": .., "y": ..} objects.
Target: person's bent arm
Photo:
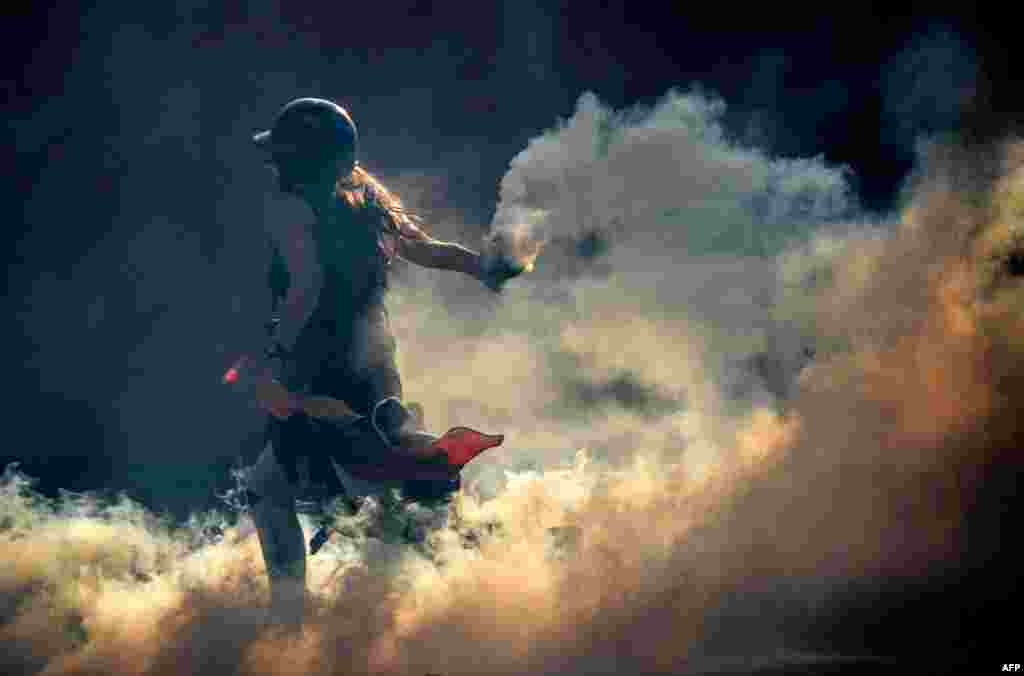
[
  {"x": 252, "y": 371},
  {"x": 299, "y": 250}
]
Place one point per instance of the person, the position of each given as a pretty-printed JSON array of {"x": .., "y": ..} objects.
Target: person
[{"x": 335, "y": 327}]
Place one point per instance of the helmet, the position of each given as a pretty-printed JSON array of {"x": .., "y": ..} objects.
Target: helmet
[{"x": 309, "y": 137}]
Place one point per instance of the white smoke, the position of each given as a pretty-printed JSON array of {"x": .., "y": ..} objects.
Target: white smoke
[{"x": 666, "y": 177}]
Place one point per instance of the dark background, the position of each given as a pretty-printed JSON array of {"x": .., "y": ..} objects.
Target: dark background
[{"x": 131, "y": 272}]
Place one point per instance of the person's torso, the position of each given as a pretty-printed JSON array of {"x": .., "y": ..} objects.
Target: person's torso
[{"x": 353, "y": 263}]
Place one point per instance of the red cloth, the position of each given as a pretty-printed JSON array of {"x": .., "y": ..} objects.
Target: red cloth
[
  {"x": 463, "y": 444},
  {"x": 460, "y": 445}
]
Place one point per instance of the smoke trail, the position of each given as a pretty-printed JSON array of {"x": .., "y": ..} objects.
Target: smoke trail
[{"x": 683, "y": 513}]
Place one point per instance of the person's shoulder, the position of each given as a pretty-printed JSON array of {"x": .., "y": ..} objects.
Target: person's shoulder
[
  {"x": 295, "y": 241},
  {"x": 295, "y": 233},
  {"x": 376, "y": 197},
  {"x": 391, "y": 214}
]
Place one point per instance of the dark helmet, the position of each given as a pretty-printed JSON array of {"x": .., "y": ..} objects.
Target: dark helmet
[{"x": 309, "y": 137}]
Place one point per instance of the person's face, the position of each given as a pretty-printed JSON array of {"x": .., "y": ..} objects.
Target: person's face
[
  {"x": 290, "y": 178},
  {"x": 297, "y": 177}
]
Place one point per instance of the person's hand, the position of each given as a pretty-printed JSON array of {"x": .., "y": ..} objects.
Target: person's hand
[
  {"x": 275, "y": 399},
  {"x": 496, "y": 270},
  {"x": 254, "y": 375}
]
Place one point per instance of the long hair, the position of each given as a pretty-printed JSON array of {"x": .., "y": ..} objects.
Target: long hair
[{"x": 367, "y": 196}]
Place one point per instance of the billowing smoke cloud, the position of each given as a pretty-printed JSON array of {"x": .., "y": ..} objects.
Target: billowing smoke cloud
[
  {"x": 667, "y": 176},
  {"x": 674, "y": 466}
]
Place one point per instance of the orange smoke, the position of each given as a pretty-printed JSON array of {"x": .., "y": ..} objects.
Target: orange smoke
[
  {"x": 917, "y": 408},
  {"x": 933, "y": 382}
]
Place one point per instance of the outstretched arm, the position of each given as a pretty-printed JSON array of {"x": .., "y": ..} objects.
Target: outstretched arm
[
  {"x": 433, "y": 253},
  {"x": 417, "y": 247}
]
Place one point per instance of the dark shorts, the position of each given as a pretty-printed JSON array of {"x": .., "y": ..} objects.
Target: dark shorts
[
  {"x": 353, "y": 361},
  {"x": 350, "y": 360}
]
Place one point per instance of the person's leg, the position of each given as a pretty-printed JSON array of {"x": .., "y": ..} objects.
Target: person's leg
[
  {"x": 272, "y": 504},
  {"x": 401, "y": 424},
  {"x": 373, "y": 386}
]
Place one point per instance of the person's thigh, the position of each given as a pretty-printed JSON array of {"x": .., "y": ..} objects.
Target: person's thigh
[{"x": 268, "y": 480}]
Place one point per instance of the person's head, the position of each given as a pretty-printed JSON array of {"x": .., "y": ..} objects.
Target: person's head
[{"x": 312, "y": 145}]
